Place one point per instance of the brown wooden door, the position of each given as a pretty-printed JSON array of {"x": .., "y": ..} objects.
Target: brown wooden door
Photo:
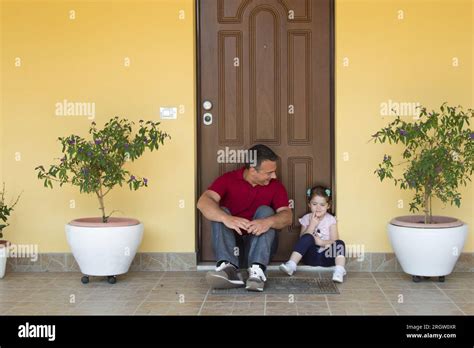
[{"x": 266, "y": 67}]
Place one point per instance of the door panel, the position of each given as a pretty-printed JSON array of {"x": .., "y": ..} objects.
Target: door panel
[{"x": 266, "y": 66}]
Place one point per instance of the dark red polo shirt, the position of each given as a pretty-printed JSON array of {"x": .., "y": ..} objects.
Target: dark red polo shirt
[{"x": 243, "y": 199}]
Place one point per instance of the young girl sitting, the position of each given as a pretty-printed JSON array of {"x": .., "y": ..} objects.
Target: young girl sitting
[{"x": 319, "y": 243}]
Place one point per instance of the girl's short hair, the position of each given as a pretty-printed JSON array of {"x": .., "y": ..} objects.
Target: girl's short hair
[{"x": 320, "y": 191}]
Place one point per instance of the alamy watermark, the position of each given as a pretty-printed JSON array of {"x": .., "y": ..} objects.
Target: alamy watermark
[
  {"x": 393, "y": 108},
  {"x": 68, "y": 108},
  {"x": 350, "y": 251},
  {"x": 228, "y": 155},
  {"x": 20, "y": 251},
  {"x": 37, "y": 331}
]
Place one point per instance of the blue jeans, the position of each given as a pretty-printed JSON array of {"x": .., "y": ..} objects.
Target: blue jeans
[{"x": 246, "y": 250}]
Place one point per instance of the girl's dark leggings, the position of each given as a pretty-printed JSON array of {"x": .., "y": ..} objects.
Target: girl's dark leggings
[{"x": 307, "y": 247}]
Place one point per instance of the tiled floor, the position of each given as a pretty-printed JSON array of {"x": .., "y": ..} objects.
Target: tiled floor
[{"x": 186, "y": 293}]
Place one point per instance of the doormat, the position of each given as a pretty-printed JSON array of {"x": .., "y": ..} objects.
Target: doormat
[{"x": 285, "y": 285}]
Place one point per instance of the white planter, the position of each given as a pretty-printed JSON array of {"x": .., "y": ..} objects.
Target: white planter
[
  {"x": 3, "y": 260},
  {"x": 106, "y": 250},
  {"x": 429, "y": 252}
]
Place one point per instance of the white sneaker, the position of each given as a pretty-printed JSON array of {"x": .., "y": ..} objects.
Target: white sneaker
[
  {"x": 256, "y": 280},
  {"x": 286, "y": 268},
  {"x": 338, "y": 275}
]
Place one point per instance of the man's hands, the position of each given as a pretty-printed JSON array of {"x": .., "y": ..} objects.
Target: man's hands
[
  {"x": 236, "y": 223},
  {"x": 259, "y": 226},
  {"x": 256, "y": 227}
]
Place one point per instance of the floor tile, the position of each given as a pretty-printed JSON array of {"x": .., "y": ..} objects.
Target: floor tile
[
  {"x": 400, "y": 284},
  {"x": 182, "y": 295},
  {"x": 361, "y": 308},
  {"x": 245, "y": 308},
  {"x": 426, "y": 309},
  {"x": 312, "y": 308},
  {"x": 250, "y": 297},
  {"x": 217, "y": 308},
  {"x": 59, "y": 295},
  {"x": 6, "y": 306},
  {"x": 184, "y": 274},
  {"x": 280, "y": 308},
  {"x": 460, "y": 296},
  {"x": 106, "y": 308},
  {"x": 7, "y": 295},
  {"x": 117, "y": 294},
  {"x": 168, "y": 308},
  {"x": 187, "y": 293},
  {"x": 358, "y": 283},
  {"x": 455, "y": 283},
  {"x": 13, "y": 283},
  {"x": 390, "y": 275},
  {"x": 43, "y": 308},
  {"x": 357, "y": 295},
  {"x": 181, "y": 283},
  {"x": 416, "y": 296},
  {"x": 466, "y": 308}
]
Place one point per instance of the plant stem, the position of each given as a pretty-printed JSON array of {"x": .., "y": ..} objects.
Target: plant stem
[
  {"x": 426, "y": 205},
  {"x": 101, "y": 195},
  {"x": 431, "y": 211},
  {"x": 101, "y": 203},
  {"x": 110, "y": 188}
]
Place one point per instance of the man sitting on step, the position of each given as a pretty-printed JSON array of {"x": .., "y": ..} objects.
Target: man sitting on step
[{"x": 246, "y": 207}]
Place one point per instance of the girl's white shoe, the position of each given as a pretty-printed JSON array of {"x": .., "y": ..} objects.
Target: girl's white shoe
[
  {"x": 338, "y": 275},
  {"x": 287, "y": 268}
]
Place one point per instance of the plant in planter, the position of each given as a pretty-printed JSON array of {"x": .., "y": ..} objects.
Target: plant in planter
[
  {"x": 5, "y": 211},
  {"x": 437, "y": 159},
  {"x": 104, "y": 246}
]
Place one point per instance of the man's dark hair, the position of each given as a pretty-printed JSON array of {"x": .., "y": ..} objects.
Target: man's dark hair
[{"x": 264, "y": 153}]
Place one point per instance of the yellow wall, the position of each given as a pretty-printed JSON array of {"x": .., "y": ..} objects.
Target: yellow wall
[
  {"x": 407, "y": 60},
  {"x": 82, "y": 60}
]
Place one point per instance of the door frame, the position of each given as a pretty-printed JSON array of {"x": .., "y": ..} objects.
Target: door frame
[{"x": 332, "y": 39}]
